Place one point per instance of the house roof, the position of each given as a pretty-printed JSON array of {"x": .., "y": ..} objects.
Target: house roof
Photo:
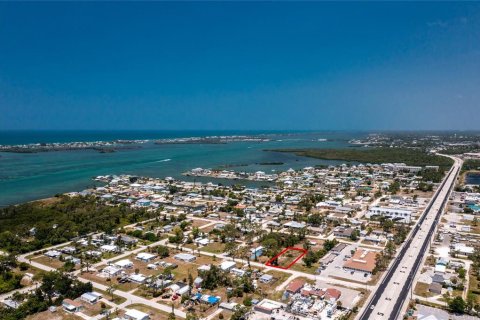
[
  {"x": 332, "y": 293},
  {"x": 438, "y": 278},
  {"x": 226, "y": 265},
  {"x": 72, "y": 303},
  {"x": 295, "y": 285},
  {"x": 135, "y": 314},
  {"x": 434, "y": 286}
]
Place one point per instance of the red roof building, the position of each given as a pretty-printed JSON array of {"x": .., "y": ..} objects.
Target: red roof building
[
  {"x": 332, "y": 293},
  {"x": 295, "y": 286}
]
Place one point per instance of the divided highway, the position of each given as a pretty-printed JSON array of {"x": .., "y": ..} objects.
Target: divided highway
[{"x": 392, "y": 292}]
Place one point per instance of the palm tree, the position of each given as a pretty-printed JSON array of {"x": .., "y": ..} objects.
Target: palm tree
[
  {"x": 231, "y": 249},
  {"x": 111, "y": 289},
  {"x": 243, "y": 253}
]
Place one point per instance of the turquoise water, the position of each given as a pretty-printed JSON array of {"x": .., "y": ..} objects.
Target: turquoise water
[{"x": 25, "y": 177}]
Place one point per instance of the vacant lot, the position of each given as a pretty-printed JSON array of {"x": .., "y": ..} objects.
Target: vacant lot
[{"x": 287, "y": 258}]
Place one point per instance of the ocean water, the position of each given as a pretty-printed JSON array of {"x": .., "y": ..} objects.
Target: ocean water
[{"x": 26, "y": 177}]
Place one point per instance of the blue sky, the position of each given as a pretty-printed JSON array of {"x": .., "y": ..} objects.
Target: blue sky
[{"x": 270, "y": 66}]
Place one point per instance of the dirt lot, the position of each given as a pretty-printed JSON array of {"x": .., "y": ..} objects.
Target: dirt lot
[
  {"x": 421, "y": 289},
  {"x": 54, "y": 263},
  {"x": 214, "y": 247},
  {"x": 199, "y": 223},
  {"x": 120, "y": 286},
  {"x": 288, "y": 257}
]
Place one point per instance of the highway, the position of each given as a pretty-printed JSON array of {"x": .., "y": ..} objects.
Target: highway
[{"x": 388, "y": 300}]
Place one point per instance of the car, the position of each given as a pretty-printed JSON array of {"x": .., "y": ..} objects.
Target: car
[{"x": 372, "y": 307}]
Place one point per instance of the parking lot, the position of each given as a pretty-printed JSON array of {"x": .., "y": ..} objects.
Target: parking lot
[
  {"x": 335, "y": 268},
  {"x": 349, "y": 297}
]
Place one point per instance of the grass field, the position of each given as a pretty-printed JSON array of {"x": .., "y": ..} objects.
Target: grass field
[{"x": 421, "y": 289}]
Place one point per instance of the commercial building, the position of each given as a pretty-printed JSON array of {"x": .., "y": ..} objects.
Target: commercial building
[
  {"x": 362, "y": 260},
  {"x": 400, "y": 215}
]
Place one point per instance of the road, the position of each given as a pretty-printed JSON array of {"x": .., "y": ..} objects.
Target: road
[{"x": 389, "y": 299}]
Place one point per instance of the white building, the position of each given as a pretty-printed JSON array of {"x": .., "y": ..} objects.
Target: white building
[
  {"x": 145, "y": 256},
  {"x": 124, "y": 264},
  {"x": 132, "y": 314},
  {"x": 227, "y": 265},
  {"x": 400, "y": 215},
  {"x": 185, "y": 257}
]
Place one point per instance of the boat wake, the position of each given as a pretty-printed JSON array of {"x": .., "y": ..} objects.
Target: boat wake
[{"x": 164, "y": 160}]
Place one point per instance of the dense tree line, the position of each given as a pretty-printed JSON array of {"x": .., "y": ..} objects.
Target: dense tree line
[
  {"x": 471, "y": 164},
  {"x": 274, "y": 242},
  {"x": 55, "y": 287},
  {"x": 214, "y": 278},
  {"x": 9, "y": 280},
  {"x": 61, "y": 220},
  {"x": 432, "y": 175},
  {"x": 313, "y": 256},
  {"x": 413, "y": 157}
]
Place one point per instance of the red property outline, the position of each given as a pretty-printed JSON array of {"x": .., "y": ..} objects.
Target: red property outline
[{"x": 269, "y": 262}]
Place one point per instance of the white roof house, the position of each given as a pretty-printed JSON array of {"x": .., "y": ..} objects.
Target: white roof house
[
  {"x": 185, "y": 257},
  {"x": 295, "y": 225},
  {"x": 238, "y": 272},
  {"x": 91, "y": 297},
  {"x": 111, "y": 270},
  {"x": 440, "y": 268},
  {"x": 132, "y": 314},
  {"x": 144, "y": 256},
  {"x": 227, "y": 265},
  {"x": 202, "y": 241},
  {"x": 464, "y": 249},
  {"x": 204, "y": 267},
  {"x": 53, "y": 254},
  {"x": 138, "y": 278},
  {"x": 108, "y": 248},
  {"x": 125, "y": 263}
]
